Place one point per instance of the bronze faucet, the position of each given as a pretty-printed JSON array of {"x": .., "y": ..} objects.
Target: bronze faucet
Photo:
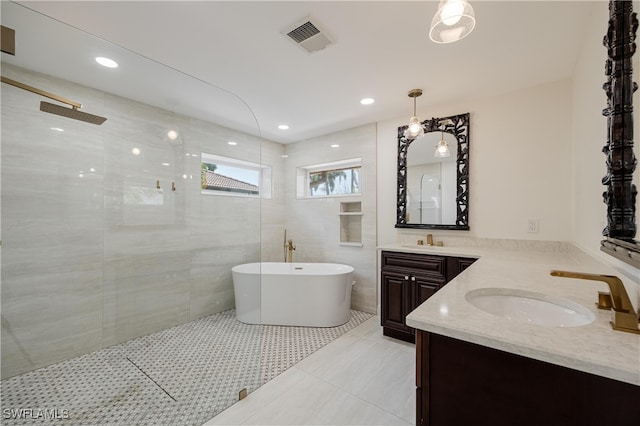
[
  {"x": 290, "y": 248},
  {"x": 429, "y": 240},
  {"x": 624, "y": 318}
]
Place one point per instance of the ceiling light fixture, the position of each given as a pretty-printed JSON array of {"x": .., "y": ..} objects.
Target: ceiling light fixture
[
  {"x": 283, "y": 127},
  {"x": 367, "y": 101},
  {"x": 106, "y": 62},
  {"x": 442, "y": 150},
  {"x": 453, "y": 21},
  {"x": 415, "y": 129}
]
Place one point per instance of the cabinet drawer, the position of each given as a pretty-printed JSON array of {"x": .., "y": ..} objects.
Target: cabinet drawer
[{"x": 425, "y": 264}]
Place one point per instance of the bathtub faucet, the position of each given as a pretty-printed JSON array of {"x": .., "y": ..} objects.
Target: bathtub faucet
[{"x": 290, "y": 248}]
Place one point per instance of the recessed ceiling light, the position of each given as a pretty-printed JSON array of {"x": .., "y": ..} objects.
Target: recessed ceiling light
[
  {"x": 172, "y": 134},
  {"x": 284, "y": 156},
  {"x": 135, "y": 151},
  {"x": 367, "y": 101},
  {"x": 57, "y": 129},
  {"x": 166, "y": 164},
  {"x": 335, "y": 145},
  {"x": 232, "y": 143},
  {"x": 106, "y": 62},
  {"x": 283, "y": 126}
]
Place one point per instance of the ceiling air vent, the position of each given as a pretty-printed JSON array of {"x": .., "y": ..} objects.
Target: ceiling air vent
[{"x": 308, "y": 36}]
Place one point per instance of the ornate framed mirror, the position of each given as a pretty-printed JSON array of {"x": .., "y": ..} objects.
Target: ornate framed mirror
[
  {"x": 433, "y": 192},
  {"x": 620, "y": 194}
]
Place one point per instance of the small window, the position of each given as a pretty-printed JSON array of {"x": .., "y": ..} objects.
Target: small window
[
  {"x": 229, "y": 176},
  {"x": 334, "y": 179}
]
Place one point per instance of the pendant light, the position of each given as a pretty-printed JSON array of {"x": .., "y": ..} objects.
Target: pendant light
[
  {"x": 442, "y": 150},
  {"x": 453, "y": 21},
  {"x": 415, "y": 129}
]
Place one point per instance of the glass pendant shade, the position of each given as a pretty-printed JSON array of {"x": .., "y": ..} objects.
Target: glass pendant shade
[
  {"x": 415, "y": 129},
  {"x": 442, "y": 150},
  {"x": 453, "y": 21}
]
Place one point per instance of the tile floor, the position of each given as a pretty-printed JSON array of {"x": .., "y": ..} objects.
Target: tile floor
[
  {"x": 361, "y": 378},
  {"x": 184, "y": 375}
]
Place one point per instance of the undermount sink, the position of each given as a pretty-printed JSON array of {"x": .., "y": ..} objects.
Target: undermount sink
[
  {"x": 530, "y": 307},
  {"x": 419, "y": 246}
]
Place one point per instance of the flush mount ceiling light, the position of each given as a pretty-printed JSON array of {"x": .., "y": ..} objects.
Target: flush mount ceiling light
[
  {"x": 367, "y": 101},
  {"x": 415, "y": 129},
  {"x": 453, "y": 21},
  {"x": 106, "y": 62},
  {"x": 283, "y": 127},
  {"x": 442, "y": 150}
]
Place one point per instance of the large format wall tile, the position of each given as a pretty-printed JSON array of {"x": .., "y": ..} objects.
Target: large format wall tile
[
  {"x": 94, "y": 254},
  {"x": 52, "y": 233},
  {"x": 314, "y": 224}
]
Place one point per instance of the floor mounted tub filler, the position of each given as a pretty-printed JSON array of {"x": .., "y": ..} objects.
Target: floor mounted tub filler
[{"x": 296, "y": 294}]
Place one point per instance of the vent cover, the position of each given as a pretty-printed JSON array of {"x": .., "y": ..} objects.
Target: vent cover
[{"x": 308, "y": 36}]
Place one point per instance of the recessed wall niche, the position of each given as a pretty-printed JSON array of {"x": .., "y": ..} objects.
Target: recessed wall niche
[{"x": 351, "y": 223}]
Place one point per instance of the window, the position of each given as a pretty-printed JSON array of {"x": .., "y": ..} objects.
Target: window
[
  {"x": 330, "y": 179},
  {"x": 228, "y": 176}
]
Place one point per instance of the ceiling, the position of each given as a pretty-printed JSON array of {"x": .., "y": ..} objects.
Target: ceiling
[{"x": 229, "y": 62}]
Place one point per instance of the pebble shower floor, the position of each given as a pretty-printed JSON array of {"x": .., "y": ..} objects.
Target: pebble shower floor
[{"x": 184, "y": 375}]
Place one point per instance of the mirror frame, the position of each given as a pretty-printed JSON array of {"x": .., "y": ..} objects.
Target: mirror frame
[
  {"x": 620, "y": 195},
  {"x": 458, "y": 126}
]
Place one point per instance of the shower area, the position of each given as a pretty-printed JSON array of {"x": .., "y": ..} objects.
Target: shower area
[{"x": 116, "y": 285}]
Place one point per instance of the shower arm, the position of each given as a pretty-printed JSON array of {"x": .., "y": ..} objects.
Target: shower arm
[{"x": 40, "y": 92}]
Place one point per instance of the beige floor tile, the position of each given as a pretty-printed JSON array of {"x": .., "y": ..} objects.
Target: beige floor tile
[{"x": 361, "y": 378}]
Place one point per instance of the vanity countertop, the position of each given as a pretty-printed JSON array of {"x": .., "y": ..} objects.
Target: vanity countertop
[{"x": 594, "y": 348}]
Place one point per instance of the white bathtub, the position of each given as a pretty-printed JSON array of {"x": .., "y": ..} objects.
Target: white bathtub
[{"x": 298, "y": 294}]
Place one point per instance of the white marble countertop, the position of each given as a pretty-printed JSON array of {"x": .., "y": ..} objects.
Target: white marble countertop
[{"x": 594, "y": 348}]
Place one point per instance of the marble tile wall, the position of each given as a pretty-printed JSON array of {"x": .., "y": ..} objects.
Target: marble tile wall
[
  {"x": 52, "y": 229},
  {"x": 94, "y": 254},
  {"x": 314, "y": 224}
]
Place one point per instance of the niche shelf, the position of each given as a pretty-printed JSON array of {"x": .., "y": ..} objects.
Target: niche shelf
[{"x": 351, "y": 224}]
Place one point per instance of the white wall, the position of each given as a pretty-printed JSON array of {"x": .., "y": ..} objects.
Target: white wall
[
  {"x": 520, "y": 146},
  {"x": 589, "y": 135},
  {"x": 535, "y": 153}
]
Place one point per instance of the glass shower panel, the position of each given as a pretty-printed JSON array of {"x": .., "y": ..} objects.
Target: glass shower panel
[
  {"x": 109, "y": 244},
  {"x": 52, "y": 227}
]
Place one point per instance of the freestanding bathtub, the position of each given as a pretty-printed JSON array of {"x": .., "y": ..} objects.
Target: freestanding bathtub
[{"x": 298, "y": 294}]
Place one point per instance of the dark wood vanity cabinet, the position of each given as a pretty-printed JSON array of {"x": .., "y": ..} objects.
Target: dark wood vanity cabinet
[
  {"x": 407, "y": 280},
  {"x": 462, "y": 383}
]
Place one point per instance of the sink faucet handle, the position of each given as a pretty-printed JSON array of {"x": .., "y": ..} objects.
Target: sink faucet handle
[{"x": 604, "y": 300}]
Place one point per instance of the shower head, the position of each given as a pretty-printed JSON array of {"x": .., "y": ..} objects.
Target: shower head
[{"x": 71, "y": 113}]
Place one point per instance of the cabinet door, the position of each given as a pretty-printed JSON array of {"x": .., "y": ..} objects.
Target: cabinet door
[
  {"x": 396, "y": 300},
  {"x": 455, "y": 265},
  {"x": 423, "y": 288}
]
